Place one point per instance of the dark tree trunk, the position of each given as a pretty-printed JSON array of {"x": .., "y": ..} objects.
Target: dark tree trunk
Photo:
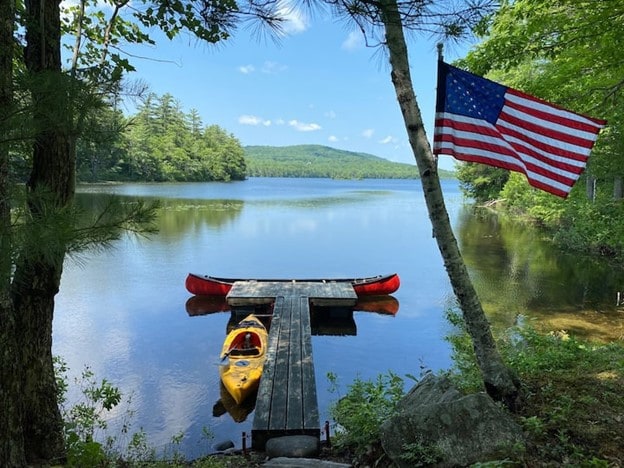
[
  {"x": 500, "y": 383},
  {"x": 38, "y": 272},
  {"x": 53, "y": 171},
  {"x": 35, "y": 285},
  {"x": 618, "y": 188},
  {"x": 590, "y": 188},
  {"x": 11, "y": 440}
]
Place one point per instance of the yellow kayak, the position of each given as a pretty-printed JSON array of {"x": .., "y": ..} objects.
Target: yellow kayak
[{"x": 244, "y": 352}]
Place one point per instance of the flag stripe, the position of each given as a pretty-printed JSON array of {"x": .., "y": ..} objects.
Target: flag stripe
[
  {"x": 566, "y": 117},
  {"x": 478, "y": 120},
  {"x": 480, "y": 130},
  {"x": 548, "y": 183},
  {"x": 565, "y": 164},
  {"x": 461, "y": 143},
  {"x": 466, "y": 149},
  {"x": 553, "y": 130},
  {"x": 547, "y": 146}
]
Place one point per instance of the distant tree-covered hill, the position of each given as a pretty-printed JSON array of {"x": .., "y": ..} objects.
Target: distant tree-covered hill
[{"x": 323, "y": 161}]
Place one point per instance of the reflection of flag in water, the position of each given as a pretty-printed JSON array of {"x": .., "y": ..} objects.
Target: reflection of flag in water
[{"x": 478, "y": 120}]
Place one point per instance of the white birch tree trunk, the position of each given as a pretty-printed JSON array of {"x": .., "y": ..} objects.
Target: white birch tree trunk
[{"x": 500, "y": 383}]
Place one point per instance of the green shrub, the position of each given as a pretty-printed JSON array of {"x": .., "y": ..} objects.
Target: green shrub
[
  {"x": 84, "y": 420},
  {"x": 86, "y": 438},
  {"x": 88, "y": 442},
  {"x": 361, "y": 412},
  {"x": 419, "y": 454}
]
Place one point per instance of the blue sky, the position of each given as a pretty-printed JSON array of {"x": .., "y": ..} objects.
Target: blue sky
[{"x": 320, "y": 85}]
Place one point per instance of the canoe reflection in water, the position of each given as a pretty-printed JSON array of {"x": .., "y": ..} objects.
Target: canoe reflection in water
[{"x": 204, "y": 305}]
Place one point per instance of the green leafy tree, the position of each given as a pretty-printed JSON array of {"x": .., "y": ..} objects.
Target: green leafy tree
[
  {"x": 566, "y": 52},
  {"x": 228, "y": 157},
  {"x": 570, "y": 53},
  {"x": 194, "y": 122},
  {"x": 165, "y": 144},
  {"x": 481, "y": 182},
  {"x": 101, "y": 146}
]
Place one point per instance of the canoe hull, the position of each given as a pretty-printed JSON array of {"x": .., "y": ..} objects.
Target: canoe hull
[
  {"x": 244, "y": 353},
  {"x": 380, "y": 285}
]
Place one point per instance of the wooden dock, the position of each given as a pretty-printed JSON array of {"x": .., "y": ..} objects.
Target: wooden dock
[{"x": 287, "y": 401}]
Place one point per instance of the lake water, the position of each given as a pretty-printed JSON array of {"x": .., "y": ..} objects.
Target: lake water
[{"x": 126, "y": 313}]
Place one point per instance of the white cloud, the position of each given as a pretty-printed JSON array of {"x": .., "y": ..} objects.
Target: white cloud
[
  {"x": 295, "y": 20},
  {"x": 333, "y": 138},
  {"x": 388, "y": 139},
  {"x": 368, "y": 133},
  {"x": 272, "y": 67},
  {"x": 253, "y": 120},
  {"x": 246, "y": 69},
  {"x": 267, "y": 67},
  {"x": 280, "y": 122},
  {"x": 354, "y": 40},
  {"x": 304, "y": 127},
  {"x": 330, "y": 114}
]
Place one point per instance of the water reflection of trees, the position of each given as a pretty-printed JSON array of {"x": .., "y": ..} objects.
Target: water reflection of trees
[
  {"x": 175, "y": 216},
  {"x": 179, "y": 216},
  {"x": 515, "y": 270}
]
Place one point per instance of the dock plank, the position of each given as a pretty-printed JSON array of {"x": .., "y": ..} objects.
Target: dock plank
[
  {"x": 310, "y": 402},
  {"x": 294, "y": 417},
  {"x": 281, "y": 385},
  {"x": 267, "y": 381},
  {"x": 287, "y": 401}
]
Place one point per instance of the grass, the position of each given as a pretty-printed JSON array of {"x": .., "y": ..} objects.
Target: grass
[{"x": 573, "y": 409}]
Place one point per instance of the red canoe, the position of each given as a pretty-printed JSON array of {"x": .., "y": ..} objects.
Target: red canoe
[{"x": 372, "y": 286}]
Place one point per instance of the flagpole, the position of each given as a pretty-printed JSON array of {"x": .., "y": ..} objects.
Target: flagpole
[{"x": 440, "y": 48}]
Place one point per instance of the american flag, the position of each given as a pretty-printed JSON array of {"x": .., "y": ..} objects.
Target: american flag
[{"x": 478, "y": 120}]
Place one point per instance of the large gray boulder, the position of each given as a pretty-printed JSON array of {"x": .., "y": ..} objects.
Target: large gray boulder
[{"x": 436, "y": 425}]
